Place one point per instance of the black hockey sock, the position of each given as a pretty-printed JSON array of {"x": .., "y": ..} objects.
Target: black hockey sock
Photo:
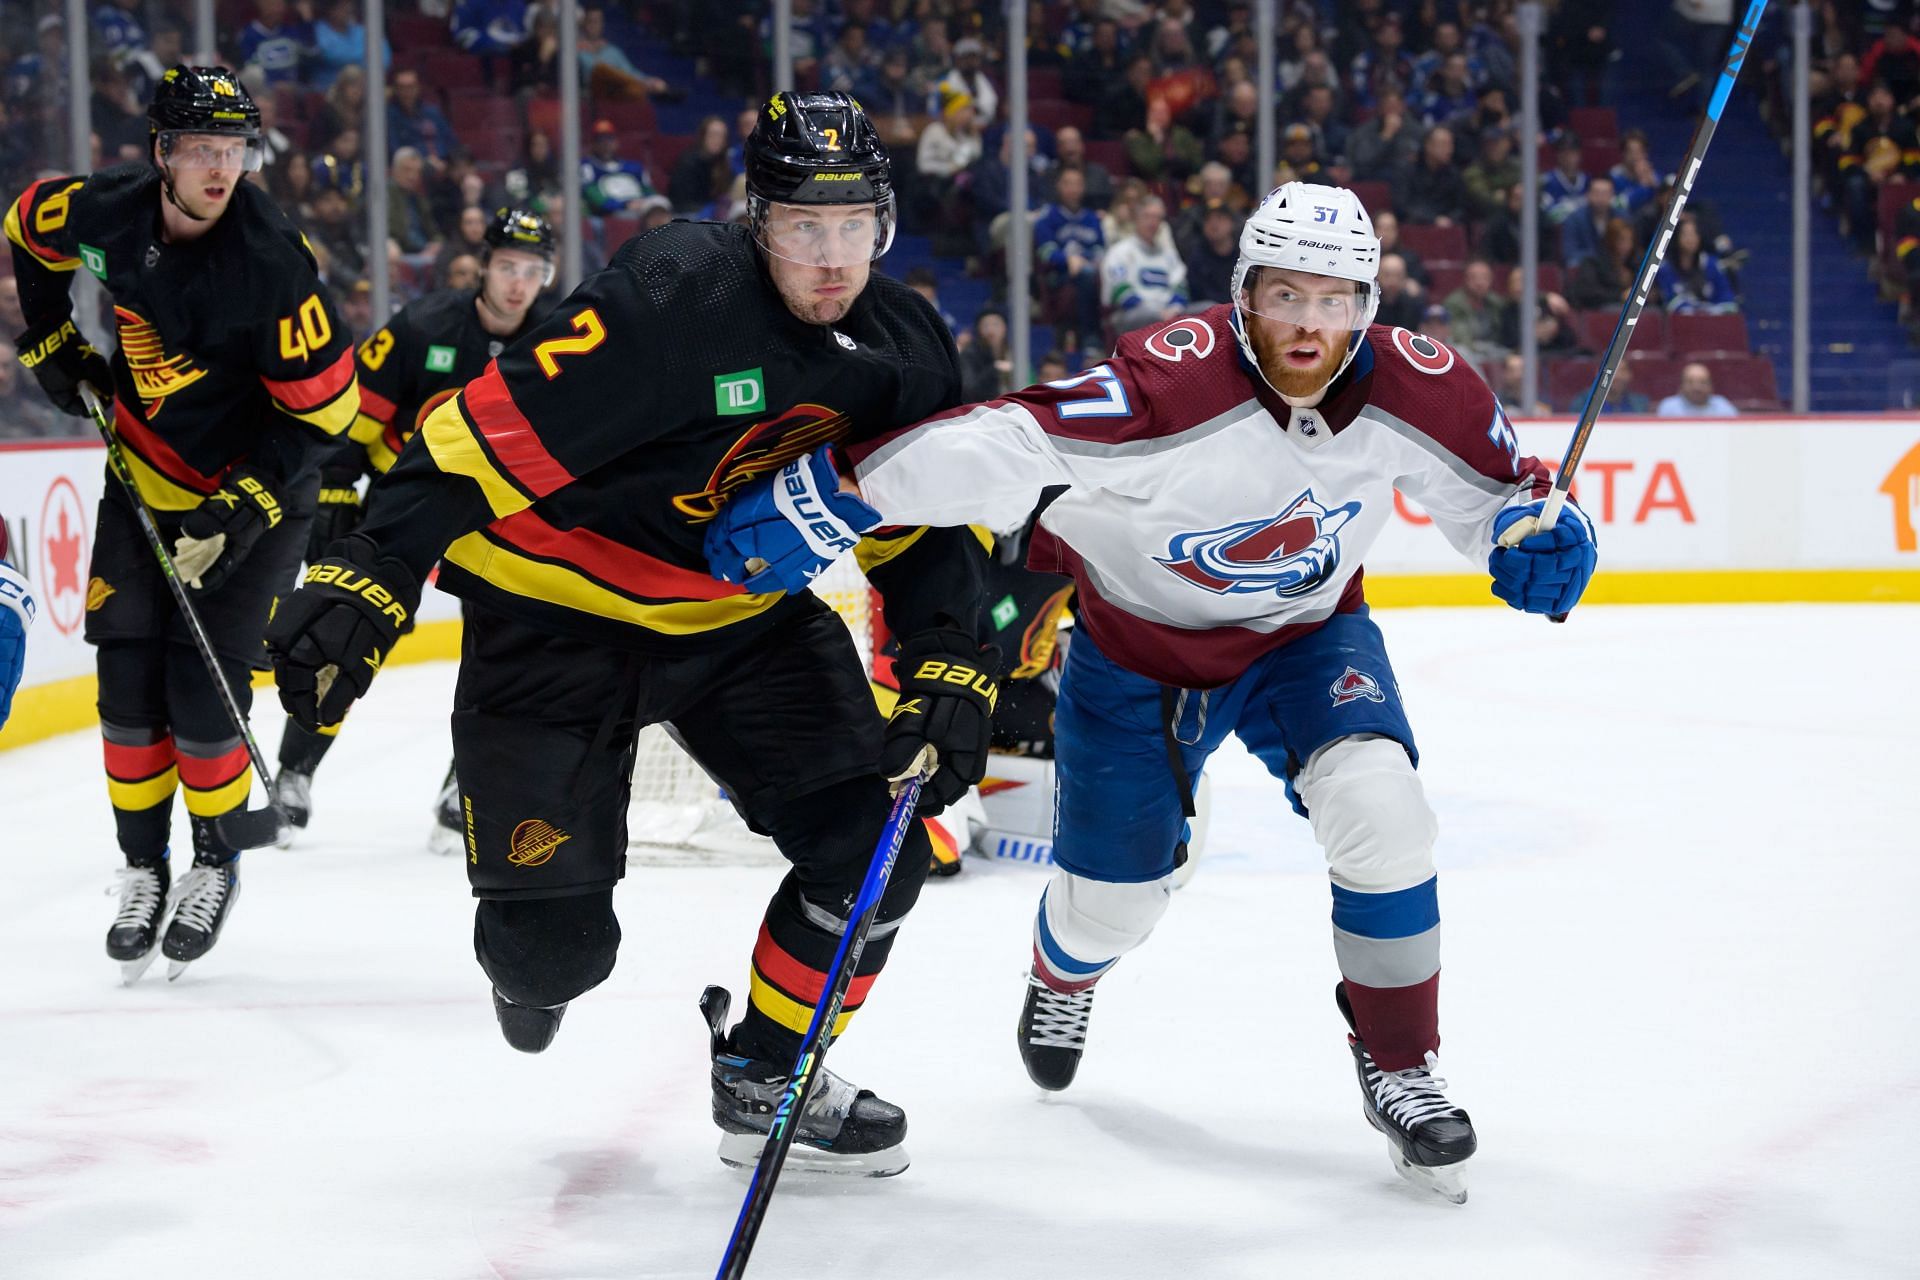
[{"x": 302, "y": 750}]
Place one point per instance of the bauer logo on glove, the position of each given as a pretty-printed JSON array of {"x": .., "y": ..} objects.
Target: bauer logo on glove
[{"x": 781, "y": 533}]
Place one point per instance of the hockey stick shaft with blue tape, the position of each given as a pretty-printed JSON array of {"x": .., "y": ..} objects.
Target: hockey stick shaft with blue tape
[
  {"x": 1642, "y": 284},
  {"x": 813, "y": 1046}
]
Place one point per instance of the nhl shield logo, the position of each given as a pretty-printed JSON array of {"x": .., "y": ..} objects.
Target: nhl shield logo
[
  {"x": 1289, "y": 554},
  {"x": 1355, "y": 685}
]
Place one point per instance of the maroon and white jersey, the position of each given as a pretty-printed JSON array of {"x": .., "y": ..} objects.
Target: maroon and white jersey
[{"x": 1205, "y": 521}]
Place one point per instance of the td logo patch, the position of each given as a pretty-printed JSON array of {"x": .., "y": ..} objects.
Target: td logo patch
[
  {"x": 439, "y": 359},
  {"x": 737, "y": 393}
]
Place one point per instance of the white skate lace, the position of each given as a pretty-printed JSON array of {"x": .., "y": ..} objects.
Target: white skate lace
[
  {"x": 831, "y": 1098},
  {"x": 202, "y": 890},
  {"x": 1411, "y": 1096},
  {"x": 1060, "y": 1019},
  {"x": 140, "y": 896}
]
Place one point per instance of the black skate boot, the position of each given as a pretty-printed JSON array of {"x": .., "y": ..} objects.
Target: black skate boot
[
  {"x": 1053, "y": 1032},
  {"x": 528, "y": 1028},
  {"x": 449, "y": 834},
  {"x": 1428, "y": 1137},
  {"x": 134, "y": 937},
  {"x": 842, "y": 1129},
  {"x": 202, "y": 900},
  {"x": 293, "y": 792}
]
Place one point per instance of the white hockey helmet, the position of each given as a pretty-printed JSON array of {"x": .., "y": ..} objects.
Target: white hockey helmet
[{"x": 1304, "y": 226}]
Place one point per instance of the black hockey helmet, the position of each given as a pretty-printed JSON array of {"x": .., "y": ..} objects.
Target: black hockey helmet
[
  {"x": 818, "y": 149},
  {"x": 520, "y": 229},
  {"x": 202, "y": 100}
]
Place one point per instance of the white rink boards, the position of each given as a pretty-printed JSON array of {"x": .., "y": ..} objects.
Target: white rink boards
[{"x": 1678, "y": 848}]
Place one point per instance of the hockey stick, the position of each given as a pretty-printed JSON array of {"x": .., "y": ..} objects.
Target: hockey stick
[
  {"x": 813, "y": 1046},
  {"x": 1642, "y": 288},
  {"x": 241, "y": 828}
]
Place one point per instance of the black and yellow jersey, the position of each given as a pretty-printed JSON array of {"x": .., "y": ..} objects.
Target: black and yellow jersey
[
  {"x": 431, "y": 348},
  {"x": 230, "y": 348},
  {"x": 570, "y": 484}
]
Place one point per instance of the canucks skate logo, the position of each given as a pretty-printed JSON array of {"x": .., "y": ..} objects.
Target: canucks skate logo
[
  {"x": 1355, "y": 685},
  {"x": 156, "y": 375},
  {"x": 1289, "y": 554}
]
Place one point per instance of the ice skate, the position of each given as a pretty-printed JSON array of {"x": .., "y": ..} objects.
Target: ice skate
[
  {"x": 293, "y": 792},
  {"x": 449, "y": 831},
  {"x": 1428, "y": 1137},
  {"x": 842, "y": 1129},
  {"x": 204, "y": 899},
  {"x": 134, "y": 937},
  {"x": 1053, "y": 1032},
  {"x": 528, "y": 1028}
]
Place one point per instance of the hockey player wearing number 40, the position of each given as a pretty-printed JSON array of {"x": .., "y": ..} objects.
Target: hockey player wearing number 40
[
  {"x": 408, "y": 367},
  {"x": 1223, "y": 477},
  {"x": 565, "y": 493},
  {"x": 233, "y": 375}
]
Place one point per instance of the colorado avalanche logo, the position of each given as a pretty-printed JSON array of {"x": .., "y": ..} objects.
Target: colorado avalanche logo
[
  {"x": 1289, "y": 554},
  {"x": 1355, "y": 685}
]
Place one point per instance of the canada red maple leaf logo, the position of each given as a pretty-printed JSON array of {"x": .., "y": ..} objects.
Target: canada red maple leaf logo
[{"x": 63, "y": 556}]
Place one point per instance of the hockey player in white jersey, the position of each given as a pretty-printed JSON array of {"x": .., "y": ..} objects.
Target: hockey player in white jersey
[{"x": 1220, "y": 482}]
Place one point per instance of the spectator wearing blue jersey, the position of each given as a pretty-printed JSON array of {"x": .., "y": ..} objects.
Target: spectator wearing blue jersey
[
  {"x": 489, "y": 27},
  {"x": 1582, "y": 234},
  {"x": 1447, "y": 41},
  {"x": 1068, "y": 244},
  {"x": 1563, "y": 188},
  {"x": 1385, "y": 64},
  {"x": 1634, "y": 179},
  {"x": 1449, "y": 92},
  {"x": 611, "y": 185},
  {"x": 275, "y": 42},
  {"x": 117, "y": 31},
  {"x": 340, "y": 41},
  {"x": 1691, "y": 279},
  {"x": 414, "y": 122}
]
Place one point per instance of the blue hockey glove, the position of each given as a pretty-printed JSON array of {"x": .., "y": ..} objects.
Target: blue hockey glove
[
  {"x": 1543, "y": 572},
  {"x": 781, "y": 533},
  {"x": 16, "y": 615}
]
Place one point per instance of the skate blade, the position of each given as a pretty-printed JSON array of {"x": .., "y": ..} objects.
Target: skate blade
[
  {"x": 445, "y": 842},
  {"x": 1448, "y": 1181},
  {"x": 131, "y": 971},
  {"x": 742, "y": 1151},
  {"x": 177, "y": 967}
]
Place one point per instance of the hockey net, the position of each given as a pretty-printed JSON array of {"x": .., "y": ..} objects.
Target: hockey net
[{"x": 678, "y": 815}]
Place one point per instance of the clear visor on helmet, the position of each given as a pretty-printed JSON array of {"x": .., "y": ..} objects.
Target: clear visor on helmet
[
  {"x": 222, "y": 151},
  {"x": 827, "y": 236},
  {"x": 1325, "y": 303}
]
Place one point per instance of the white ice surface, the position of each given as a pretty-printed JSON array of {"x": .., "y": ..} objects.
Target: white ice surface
[{"x": 1680, "y": 850}]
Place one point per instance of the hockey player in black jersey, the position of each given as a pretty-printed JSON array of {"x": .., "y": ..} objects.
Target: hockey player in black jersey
[
  {"x": 566, "y": 492},
  {"x": 408, "y": 367},
  {"x": 232, "y": 376}
]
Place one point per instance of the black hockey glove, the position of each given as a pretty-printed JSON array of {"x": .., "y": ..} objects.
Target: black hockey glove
[
  {"x": 338, "y": 513},
  {"x": 61, "y": 359},
  {"x": 947, "y": 694},
  {"x": 328, "y": 639},
  {"x": 216, "y": 535}
]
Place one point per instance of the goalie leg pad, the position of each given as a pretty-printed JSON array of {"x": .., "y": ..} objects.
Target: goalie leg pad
[{"x": 1084, "y": 926}]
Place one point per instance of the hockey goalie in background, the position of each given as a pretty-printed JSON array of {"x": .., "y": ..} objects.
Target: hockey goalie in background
[{"x": 1223, "y": 477}]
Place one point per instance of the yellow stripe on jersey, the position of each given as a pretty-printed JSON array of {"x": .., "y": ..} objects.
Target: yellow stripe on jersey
[
  {"x": 159, "y": 492},
  {"x": 370, "y": 434},
  {"x": 15, "y": 234},
  {"x": 554, "y": 584},
  {"x": 876, "y": 550},
  {"x": 144, "y": 794},
  {"x": 221, "y": 799},
  {"x": 335, "y": 416},
  {"x": 784, "y": 1009},
  {"x": 456, "y": 450}
]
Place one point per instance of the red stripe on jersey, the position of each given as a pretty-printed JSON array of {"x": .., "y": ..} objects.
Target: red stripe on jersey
[
  {"x": 158, "y": 454},
  {"x": 204, "y": 773},
  {"x": 135, "y": 764},
  {"x": 511, "y": 436},
  {"x": 801, "y": 981},
  {"x": 25, "y": 222},
  {"x": 619, "y": 566},
  {"x": 1171, "y": 655},
  {"x": 375, "y": 405},
  {"x": 302, "y": 394}
]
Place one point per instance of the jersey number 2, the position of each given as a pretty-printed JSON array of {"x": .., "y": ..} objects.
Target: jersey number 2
[{"x": 592, "y": 334}]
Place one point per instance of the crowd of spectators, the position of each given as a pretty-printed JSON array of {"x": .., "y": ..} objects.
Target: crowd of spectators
[{"x": 1142, "y": 147}]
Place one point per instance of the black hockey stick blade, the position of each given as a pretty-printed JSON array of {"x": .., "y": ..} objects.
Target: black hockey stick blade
[{"x": 244, "y": 829}]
